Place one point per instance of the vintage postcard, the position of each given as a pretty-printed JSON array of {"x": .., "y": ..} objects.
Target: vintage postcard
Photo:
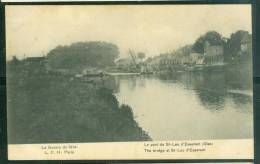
[{"x": 123, "y": 82}]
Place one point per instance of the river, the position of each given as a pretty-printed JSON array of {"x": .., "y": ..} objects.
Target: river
[{"x": 190, "y": 105}]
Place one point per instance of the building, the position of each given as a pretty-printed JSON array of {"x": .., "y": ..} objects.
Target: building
[
  {"x": 35, "y": 61},
  {"x": 246, "y": 43},
  {"x": 154, "y": 63},
  {"x": 213, "y": 54},
  {"x": 245, "y": 52},
  {"x": 197, "y": 58},
  {"x": 35, "y": 64}
]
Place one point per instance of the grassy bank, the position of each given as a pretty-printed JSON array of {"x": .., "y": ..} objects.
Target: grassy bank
[{"x": 47, "y": 108}]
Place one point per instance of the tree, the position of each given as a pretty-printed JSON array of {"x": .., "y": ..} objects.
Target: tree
[
  {"x": 233, "y": 45},
  {"x": 141, "y": 55},
  {"x": 149, "y": 59},
  {"x": 212, "y": 37},
  {"x": 83, "y": 54}
]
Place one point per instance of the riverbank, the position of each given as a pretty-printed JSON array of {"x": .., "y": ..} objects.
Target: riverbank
[
  {"x": 47, "y": 108},
  {"x": 177, "y": 68}
]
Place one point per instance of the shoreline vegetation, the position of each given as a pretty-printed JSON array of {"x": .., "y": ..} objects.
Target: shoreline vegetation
[
  {"x": 50, "y": 108},
  {"x": 67, "y": 96}
]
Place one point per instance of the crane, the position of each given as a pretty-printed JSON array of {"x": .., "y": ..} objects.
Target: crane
[{"x": 133, "y": 56}]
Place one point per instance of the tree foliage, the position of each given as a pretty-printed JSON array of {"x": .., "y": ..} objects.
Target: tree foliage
[
  {"x": 141, "y": 55},
  {"x": 212, "y": 37},
  {"x": 51, "y": 109},
  {"x": 83, "y": 54},
  {"x": 233, "y": 44}
]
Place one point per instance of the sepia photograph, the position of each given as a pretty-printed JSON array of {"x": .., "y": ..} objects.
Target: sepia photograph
[{"x": 128, "y": 73}]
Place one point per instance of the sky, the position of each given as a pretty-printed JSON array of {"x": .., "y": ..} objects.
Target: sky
[{"x": 152, "y": 29}]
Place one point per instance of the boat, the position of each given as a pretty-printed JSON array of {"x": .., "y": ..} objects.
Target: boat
[{"x": 122, "y": 73}]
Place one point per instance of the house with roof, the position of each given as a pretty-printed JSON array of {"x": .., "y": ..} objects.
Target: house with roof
[
  {"x": 214, "y": 54},
  {"x": 246, "y": 42}
]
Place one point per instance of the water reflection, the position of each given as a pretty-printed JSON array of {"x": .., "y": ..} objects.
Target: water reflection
[{"x": 189, "y": 105}]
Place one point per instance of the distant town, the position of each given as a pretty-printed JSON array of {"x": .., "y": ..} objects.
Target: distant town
[{"x": 210, "y": 50}]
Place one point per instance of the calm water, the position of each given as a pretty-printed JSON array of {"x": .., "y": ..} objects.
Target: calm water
[{"x": 209, "y": 105}]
